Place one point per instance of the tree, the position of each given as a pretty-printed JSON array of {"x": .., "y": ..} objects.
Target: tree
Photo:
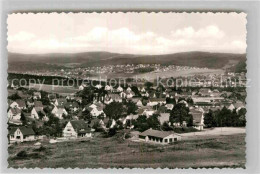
[
  {"x": 141, "y": 123},
  {"x": 114, "y": 110},
  {"x": 14, "y": 97},
  {"x": 242, "y": 117},
  {"x": 148, "y": 85},
  {"x": 189, "y": 120},
  {"x": 153, "y": 121},
  {"x": 166, "y": 127},
  {"x": 131, "y": 107},
  {"x": 209, "y": 119},
  {"x": 179, "y": 113},
  {"x": 23, "y": 119},
  {"x": 86, "y": 115}
]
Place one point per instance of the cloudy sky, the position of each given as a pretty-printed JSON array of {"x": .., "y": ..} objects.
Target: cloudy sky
[{"x": 135, "y": 33}]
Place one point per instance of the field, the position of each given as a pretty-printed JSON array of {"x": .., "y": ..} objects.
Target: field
[
  {"x": 206, "y": 151},
  {"x": 184, "y": 73},
  {"x": 151, "y": 76},
  {"x": 62, "y": 90}
]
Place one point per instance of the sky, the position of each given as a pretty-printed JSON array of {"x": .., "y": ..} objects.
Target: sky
[{"x": 134, "y": 33}]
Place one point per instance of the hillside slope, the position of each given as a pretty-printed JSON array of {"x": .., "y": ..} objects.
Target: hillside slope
[{"x": 88, "y": 59}]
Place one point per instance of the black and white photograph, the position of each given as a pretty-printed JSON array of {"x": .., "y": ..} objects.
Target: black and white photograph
[{"x": 127, "y": 90}]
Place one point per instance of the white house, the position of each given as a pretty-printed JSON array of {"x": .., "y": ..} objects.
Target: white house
[
  {"x": 119, "y": 89},
  {"x": 36, "y": 111},
  {"x": 21, "y": 134},
  {"x": 14, "y": 114},
  {"x": 156, "y": 101},
  {"x": 18, "y": 104},
  {"x": 77, "y": 128},
  {"x": 139, "y": 103},
  {"x": 59, "y": 112},
  {"x": 159, "y": 137},
  {"x": 95, "y": 112},
  {"x": 108, "y": 88},
  {"x": 198, "y": 119},
  {"x": 37, "y": 95}
]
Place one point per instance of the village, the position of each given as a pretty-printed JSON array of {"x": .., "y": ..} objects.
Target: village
[{"x": 144, "y": 112}]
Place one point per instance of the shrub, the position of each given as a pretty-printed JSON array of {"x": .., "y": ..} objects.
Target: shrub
[{"x": 22, "y": 154}]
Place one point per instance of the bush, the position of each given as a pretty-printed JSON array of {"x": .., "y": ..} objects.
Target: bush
[{"x": 22, "y": 154}]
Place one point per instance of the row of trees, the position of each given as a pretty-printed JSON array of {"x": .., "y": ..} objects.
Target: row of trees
[{"x": 225, "y": 117}]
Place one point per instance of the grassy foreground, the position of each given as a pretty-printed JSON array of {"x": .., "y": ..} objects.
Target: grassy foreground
[{"x": 215, "y": 151}]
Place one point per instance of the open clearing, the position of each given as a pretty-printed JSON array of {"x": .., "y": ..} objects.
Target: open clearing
[
  {"x": 181, "y": 73},
  {"x": 206, "y": 151}
]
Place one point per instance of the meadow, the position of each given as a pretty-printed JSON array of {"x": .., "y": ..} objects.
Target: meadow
[{"x": 207, "y": 151}]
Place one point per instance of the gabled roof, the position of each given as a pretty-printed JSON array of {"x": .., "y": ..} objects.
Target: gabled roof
[
  {"x": 80, "y": 126},
  {"x": 25, "y": 130},
  {"x": 38, "y": 104},
  {"x": 156, "y": 133},
  {"x": 15, "y": 110},
  {"x": 21, "y": 103},
  {"x": 39, "y": 110},
  {"x": 238, "y": 105}
]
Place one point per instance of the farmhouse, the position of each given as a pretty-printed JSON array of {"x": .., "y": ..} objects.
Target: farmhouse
[
  {"x": 18, "y": 104},
  {"x": 38, "y": 104},
  {"x": 21, "y": 134},
  {"x": 60, "y": 102},
  {"x": 59, "y": 112},
  {"x": 14, "y": 114},
  {"x": 198, "y": 119},
  {"x": 37, "y": 95},
  {"x": 38, "y": 112},
  {"x": 77, "y": 128},
  {"x": 156, "y": 101},
  {"x": 160, "y": 137}
]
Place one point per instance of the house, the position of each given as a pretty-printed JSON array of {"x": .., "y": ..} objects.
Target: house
[
  {"x": 239, "y": 105},
  {"x": 78, "y": 99},
  {"x": 204, "y": 92},
  {"x": 21, "y": 134},
  {"x": 231, "y": 107},
  {"x": 129, "y": 118},
  {"x": 18, "y": 104},
  {"x": 169, "y": 106},
  {"x": 198, "y": 118},
  {"x": 98, "y": 86},
  {"x": 30, "y": 103},
  {"x": 139, "y": 103},
  {"x": 164, "y": 117},
  {"x": 95, "y": 112},
  {"x": 59, "y": 111},
  {"x": 159, "y": 137},
  {"x": 108, "y": 88},
  {"x": 77, "y": 128},
  {"x": 60, "y": 102},
  {"x": 81, "y": 87},
  {"x": 38, "y": 112},
  {"x": 37, "y": 95},
  {"x": 130, "y": 94},
  {"x": 148, "y": 112},
  {"x": 14, "y": 114},
  {"x": 116, "y": 98},
  {"x": 156, "y": 101},
  {"x": 52, "y": 97},
  {"x": 38, "y": 104}
]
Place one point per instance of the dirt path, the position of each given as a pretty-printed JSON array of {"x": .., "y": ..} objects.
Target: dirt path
[{"x": 212, "y": 132}]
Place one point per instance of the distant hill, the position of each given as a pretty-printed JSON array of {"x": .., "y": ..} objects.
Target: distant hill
[{"x": 88, "y": 59}]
